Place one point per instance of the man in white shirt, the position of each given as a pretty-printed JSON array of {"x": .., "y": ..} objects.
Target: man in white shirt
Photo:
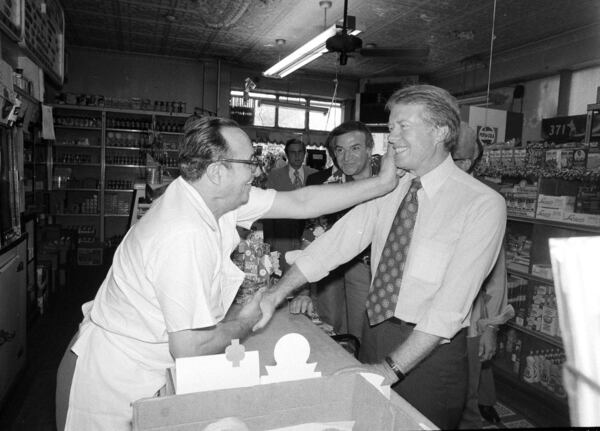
[
  {"x": 421, "y": 306},
  {"x": 169, "y": 291}
]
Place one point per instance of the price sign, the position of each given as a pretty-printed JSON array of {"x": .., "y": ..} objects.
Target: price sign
[{"x": 562, "y": 129}]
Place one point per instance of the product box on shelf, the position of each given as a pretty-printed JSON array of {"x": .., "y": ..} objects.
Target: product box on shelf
[
  {"x": 580, "y": 158},
  {"x": 89, "y": 255},
  {"x": 582, "y": 218},
  {"x": 593, "y": 159},
  {"x": 554, "y": 207},
  {"x": 507, "y": 158},
  {"x": 520, "y": 157},
  {"x": 543, "y": 270},
  {"x": 559, "y": 158}
]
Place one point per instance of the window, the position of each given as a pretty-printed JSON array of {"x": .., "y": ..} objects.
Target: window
[
  {"x": 324, "y": 116},
  {"x": 268, "y": 110}
]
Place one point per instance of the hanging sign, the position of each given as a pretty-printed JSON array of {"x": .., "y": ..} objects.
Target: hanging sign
[{"x": 562, "y": 129}]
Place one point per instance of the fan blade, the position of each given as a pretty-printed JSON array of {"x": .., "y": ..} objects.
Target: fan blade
[{"x": 404, "y": 53}]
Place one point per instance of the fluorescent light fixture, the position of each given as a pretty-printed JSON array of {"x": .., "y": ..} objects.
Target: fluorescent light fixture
[
  {"x": 481, "y": 100},
  {"x": 308, "y": 52}
]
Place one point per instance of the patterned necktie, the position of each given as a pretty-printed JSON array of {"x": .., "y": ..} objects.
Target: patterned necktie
[
  {"x": 297, "y": 179},
  {"x": 383, "y": 294}
]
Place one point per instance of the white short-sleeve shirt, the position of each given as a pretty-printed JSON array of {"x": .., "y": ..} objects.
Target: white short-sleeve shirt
[
  {"x": 171, "y": 272},
  {"x": 173, "y": 269}
]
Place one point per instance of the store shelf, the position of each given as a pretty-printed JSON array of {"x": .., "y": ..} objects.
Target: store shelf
[
  {"x": 553, "y": 223},
  {"x": 124, "y": 166},
  {"x": 116, "y": 215},
  {"x": 537, "y": 334},
  {"x": 58, "y": 126},
  {"x": 119, "y": 190},
  {"x": 169, "y": 133},
  {"x": 121, "y": 111},
  {"x": 125, "y": 148},
  {"x": 115, "y": 129},
  {"x": 75, "y": 189},
  {"x": 529, "y": 276},
  {"x": 74, "y": 215},
  {"x": 76, "y": 164},
  {"x": 535, "y": 389},
  {"x": 58, "y": 145}
]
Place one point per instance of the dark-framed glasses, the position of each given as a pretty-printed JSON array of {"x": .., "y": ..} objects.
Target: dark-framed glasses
[{"x": 254, "y": 162}]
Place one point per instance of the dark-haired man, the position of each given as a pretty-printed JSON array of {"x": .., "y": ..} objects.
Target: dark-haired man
[
  {"x": 433, "y": 241},
  {"x": 340, "y": 297},
  {"x": 169, "y": 291}
]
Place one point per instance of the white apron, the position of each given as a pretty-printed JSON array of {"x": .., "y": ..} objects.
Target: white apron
[{"x": 112, "y": 371}]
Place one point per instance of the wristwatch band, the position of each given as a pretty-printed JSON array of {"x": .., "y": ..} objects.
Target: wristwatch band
[{"x": 401, "y": 376}]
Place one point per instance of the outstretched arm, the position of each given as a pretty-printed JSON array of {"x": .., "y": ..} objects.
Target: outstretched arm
[
  {"x": 313, "y": 201},
  {"x": 292, "y": 280}
]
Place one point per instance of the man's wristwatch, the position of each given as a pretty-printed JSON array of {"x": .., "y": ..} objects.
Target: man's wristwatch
[{"x": 401, "y": 376}]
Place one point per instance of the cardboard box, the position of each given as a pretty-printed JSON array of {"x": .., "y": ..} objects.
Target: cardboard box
[
  {"x": 549, "y": 214},
  {"x": 563, "y": 203},
  {"x": 327, "y": 399}
]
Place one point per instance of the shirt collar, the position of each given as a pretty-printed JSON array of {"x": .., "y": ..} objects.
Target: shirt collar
[
  {"x": 198, "y": 203},
  {"x": 433, "y": 180}
]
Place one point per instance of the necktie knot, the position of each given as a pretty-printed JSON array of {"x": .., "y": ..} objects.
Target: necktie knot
[
  {"x": 416, "y": 184},
  {"x": 297, "y": 179}
]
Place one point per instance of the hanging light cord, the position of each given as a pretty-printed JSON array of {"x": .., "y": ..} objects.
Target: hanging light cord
[
  {"x": 336, "y": 81},
  {"x": 487, "y": 94}
]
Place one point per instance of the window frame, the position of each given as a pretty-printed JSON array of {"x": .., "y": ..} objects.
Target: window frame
[{"x": 275, "y": 99}]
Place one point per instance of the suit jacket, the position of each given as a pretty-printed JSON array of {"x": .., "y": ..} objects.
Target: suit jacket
[
  {"x": 284, "y": 234},
  {"x": 279, "y": 179}
]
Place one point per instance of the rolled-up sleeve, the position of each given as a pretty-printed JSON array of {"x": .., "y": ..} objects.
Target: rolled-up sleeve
[{"x": 348, "y": 237}]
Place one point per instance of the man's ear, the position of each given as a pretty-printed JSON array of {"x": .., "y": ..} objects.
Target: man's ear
[
  {"x": 214, "y": 173},
  {"x": 441, "y": 133}
]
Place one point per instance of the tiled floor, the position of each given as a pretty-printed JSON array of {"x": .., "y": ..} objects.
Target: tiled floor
[{"x": 30, "y": 406}]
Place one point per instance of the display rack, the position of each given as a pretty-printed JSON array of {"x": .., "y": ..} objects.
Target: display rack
[
  {"x": 97, "y": 157},
  {"x": 530, "y": 352}
]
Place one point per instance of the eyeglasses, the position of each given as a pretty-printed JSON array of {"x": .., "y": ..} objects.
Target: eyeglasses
[{"x": 254, "y": 161}]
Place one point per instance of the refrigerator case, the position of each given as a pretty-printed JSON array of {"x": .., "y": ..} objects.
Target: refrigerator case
[
  {"x": 13, "y": 323},
  {"x": 10, "y": 201}
]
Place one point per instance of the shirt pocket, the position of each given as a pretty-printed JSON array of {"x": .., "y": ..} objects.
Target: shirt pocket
[{"x": 429, "y": 260}]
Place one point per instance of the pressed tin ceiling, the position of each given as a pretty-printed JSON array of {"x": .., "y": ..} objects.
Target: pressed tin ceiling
[{"x": 243, "y": 32}]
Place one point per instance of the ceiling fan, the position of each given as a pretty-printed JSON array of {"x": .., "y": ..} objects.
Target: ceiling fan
[{"x": 345, "y": 43}]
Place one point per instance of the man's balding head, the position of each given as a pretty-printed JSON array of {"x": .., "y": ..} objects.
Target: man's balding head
[{"x": 468, "y": 151}]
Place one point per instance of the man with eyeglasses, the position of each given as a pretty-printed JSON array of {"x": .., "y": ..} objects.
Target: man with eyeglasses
[{"x": 169, "y": 291}]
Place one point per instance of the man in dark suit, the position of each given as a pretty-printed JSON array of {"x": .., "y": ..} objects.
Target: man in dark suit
[{"x": 285, "y": 234}]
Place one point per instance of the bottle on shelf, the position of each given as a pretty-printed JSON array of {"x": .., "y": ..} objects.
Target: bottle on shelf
[{"x": 529, "y": 373}]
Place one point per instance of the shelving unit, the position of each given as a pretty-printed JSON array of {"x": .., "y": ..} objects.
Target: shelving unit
[
  {"x": 530, "y": 349},
  {"x": 99, "y": 154}
]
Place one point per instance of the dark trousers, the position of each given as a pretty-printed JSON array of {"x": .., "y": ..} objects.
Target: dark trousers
[{"x": 437, "y": 386}]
